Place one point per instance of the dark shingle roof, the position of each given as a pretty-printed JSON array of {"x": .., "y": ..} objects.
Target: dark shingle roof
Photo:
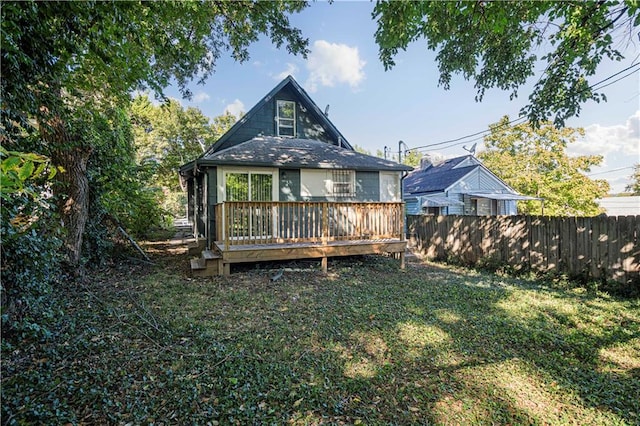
[
  {"x": 437, "y": 177},
  {"x": 271, "y": 151}
]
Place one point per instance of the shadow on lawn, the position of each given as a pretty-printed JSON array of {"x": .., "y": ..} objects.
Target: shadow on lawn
[
  {"x": 428, "y": 345},
  {"x": 432, "y": 346}
]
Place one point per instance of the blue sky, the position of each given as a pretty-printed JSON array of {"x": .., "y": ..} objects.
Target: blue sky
[{"x": 375, "y": 108}]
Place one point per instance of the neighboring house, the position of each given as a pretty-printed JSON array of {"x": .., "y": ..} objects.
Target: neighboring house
[
  {"x": 283, "y": 172},
  {"x": 462, "y": 186},
  {"x": 627, "y": 205}
]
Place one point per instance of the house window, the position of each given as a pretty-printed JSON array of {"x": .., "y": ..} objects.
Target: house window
[
  {"x": 432, "y": 211},
  {"x": 249, "y": 186},
  {"x": 286, "y": 118},
  {"x": 343, "y": 183}
]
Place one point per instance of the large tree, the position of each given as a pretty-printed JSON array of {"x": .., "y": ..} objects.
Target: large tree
[
  {"x": 66, "y": 63},
  {"x": 497, "y": 43},
  {"x": 534, "y": 162},
  {"x": 167, "y": 136}
]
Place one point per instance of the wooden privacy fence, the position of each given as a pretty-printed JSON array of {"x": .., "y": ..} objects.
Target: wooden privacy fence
[
  {"x": 274, "y": 222},
  {"x": 603, "y": 247}
]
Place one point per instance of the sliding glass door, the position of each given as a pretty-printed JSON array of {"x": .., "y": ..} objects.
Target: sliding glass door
[{"x": 250, "y": 220}]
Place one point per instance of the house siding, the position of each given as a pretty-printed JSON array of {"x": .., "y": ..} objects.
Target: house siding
[
  {"x": 263, "y": 122},
  {"x": 412, "y": 206}
]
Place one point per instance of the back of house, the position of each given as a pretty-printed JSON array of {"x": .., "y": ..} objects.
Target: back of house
[{"x": 285, "y": 149}]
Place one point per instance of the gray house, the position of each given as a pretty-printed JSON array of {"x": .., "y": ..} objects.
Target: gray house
[
  {"x": 462, "y": 186},
  {"x": 284, "y": 173}
]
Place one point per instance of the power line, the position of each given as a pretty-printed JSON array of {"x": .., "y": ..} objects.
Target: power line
[
  {"x": 463, "y": 139},
  {"x": 617, "y": 80},
  {"x": 610, "y": 171},
  {"x": 633, "y": 65}
]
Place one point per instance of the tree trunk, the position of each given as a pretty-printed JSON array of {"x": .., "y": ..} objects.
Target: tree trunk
[{"x": 71, "y": 188}]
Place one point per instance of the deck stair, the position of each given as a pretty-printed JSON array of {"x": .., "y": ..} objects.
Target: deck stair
[{"x": 207, "y": 265}]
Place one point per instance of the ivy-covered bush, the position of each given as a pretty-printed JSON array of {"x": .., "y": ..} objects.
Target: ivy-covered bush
[{"x": 30, "y": 247}]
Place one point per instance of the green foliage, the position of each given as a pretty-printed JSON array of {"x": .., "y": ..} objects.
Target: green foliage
[
  {"x": 30, "y": 245},
  {"x": 534, "y": 162},
  {"x": 18, "y": 169},
  {"x": 115, "y": 47},
  {"x": 119, "y": 185},
  {"x": 496, "y": 44},
  {"x": 168, "y": 136},
  {"x": 634, "y": 186},
  {"x": 412, "y": 158},
  {"x": 67, "y": 64}
]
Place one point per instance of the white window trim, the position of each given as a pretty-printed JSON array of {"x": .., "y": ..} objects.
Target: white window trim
[{"x": 278, "y": 119}]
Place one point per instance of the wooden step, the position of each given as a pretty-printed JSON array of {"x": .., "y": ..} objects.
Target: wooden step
[
  {"x": 205, "y": 267},
  {"x": 211, "y": 255},
  {"x": 198, "y": 263}
]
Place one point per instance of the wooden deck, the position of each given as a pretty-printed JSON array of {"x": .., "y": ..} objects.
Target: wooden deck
[
  {"x": 307, "y": 250},
  {"x": 270, "y": 231}
]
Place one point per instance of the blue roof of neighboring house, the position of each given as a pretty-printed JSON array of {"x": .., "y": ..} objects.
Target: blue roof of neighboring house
[{"x": 438, "y": 177}]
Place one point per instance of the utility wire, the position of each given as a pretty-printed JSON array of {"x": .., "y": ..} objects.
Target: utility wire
[
  {"x": 463, "y": 139},
  {"x": 617, "y": 80},
  {"x": 609, "y": 171}
]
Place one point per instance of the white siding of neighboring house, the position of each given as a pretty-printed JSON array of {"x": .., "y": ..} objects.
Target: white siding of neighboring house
[
  {"x": 479, "y": 180},
  {"x": 621, "y": 206}
]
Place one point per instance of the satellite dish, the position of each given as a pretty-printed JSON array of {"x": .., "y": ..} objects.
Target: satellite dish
[{"x": 471, "y": 150}]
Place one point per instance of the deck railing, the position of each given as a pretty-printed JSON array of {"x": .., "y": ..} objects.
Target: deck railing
[{"x": 242, "y": 223}]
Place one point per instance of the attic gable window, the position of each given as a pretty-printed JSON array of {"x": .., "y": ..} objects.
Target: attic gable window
[{"x": 286, "y": 118}]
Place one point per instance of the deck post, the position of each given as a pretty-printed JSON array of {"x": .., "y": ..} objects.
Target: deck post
[
  {"x": 325, "y": 222},
  {"x": 227, "y": 226},
  {"x": 323, "y": 265},
  {"x": 401, "y": 260}
]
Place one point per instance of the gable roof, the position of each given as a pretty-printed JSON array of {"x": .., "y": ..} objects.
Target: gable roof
[
  {"x": 304, "y": 99},
  {"x": 441, "y": 176},
  {"x": 282, "y": 152},
  {"x": 438, "y": 177}
]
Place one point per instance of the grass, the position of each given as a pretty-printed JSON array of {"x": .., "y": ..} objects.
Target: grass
[{"x": 365, "y": 344}]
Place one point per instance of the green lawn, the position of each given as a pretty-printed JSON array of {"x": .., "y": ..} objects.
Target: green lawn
[{"x": 366, "y": 344}]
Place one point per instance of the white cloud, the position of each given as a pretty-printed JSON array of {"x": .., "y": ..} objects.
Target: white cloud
[
  {"x": 235, "y": 108},
  {"x": 622, "y": 139},
  {"x": 331, "y": 63},
  {"x": 620, "y": 147},
  {"x": 292, "y": 69},
  {"x": 201, "y": 97}
]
